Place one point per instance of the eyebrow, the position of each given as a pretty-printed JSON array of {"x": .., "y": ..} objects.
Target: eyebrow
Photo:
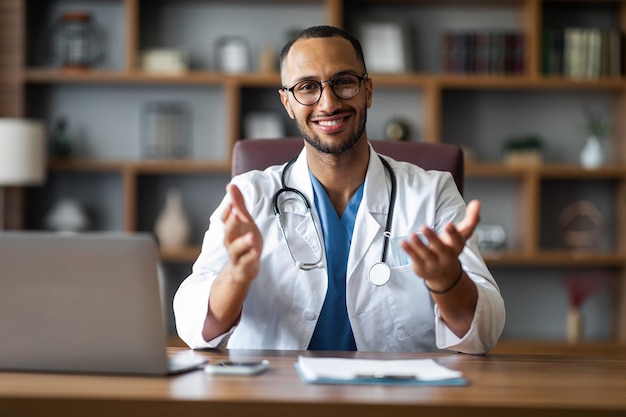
[{"x": 311, "y": 78}]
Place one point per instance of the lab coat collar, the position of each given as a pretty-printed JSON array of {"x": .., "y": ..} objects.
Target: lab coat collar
[
  {"x": 372, "y": 214},
  {"x": 298, "y": 177},
  {"x": 376, "y": 179}
]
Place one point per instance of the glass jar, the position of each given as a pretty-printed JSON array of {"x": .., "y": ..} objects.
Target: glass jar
[
  {"x": 77, "y": 43},
  {"x": 165, "y": 129}
]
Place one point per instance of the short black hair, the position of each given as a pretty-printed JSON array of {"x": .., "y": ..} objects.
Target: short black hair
[{"x": 323, "y": 31}]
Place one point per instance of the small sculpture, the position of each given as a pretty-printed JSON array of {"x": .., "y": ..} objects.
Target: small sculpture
[
  {"x": 67, "y": 216},
  {"x": 172, "y": 227}
]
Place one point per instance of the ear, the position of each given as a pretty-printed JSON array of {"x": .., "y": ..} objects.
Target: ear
[{"x": 284, "y": 98}]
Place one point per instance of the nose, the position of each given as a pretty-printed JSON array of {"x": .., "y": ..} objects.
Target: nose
[{"x": 328, "y": 101}]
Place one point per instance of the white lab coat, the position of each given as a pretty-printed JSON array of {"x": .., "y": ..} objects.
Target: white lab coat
[{"x": 284, "y": 302}]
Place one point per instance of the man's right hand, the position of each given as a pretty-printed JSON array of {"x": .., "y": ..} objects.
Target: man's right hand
[
  {"x": 242, "y": 238},
  {"x": 244, "y": 244}
]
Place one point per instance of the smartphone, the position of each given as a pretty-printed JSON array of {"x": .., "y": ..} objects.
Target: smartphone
[{"x": 237, "y": 367}]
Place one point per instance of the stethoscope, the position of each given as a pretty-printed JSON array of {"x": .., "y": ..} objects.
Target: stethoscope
[{"x": 379, "y": 273}]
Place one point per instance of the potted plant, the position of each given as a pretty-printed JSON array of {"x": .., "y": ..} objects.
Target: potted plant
[{"x": 523, "y": 150}]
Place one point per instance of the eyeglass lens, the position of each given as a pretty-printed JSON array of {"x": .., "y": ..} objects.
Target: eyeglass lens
[{"x": 344, "y": 86}]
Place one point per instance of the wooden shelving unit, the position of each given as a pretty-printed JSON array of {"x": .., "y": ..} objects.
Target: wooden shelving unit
[{"x": 20, "y": 75}]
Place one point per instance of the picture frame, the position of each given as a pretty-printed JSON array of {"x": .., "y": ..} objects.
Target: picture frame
[
  {"x": 233, "y": 54},
  {"x": 386, "y": 46}
]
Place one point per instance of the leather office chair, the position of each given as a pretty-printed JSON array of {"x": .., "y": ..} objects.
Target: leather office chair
[{"x": 261, "y": 153}]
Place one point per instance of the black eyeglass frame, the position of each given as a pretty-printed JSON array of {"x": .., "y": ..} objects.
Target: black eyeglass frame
[{"x": 361, "y": 78}]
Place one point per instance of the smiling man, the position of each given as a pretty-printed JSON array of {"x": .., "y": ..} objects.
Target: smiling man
[{"x": 304, "y": 280}]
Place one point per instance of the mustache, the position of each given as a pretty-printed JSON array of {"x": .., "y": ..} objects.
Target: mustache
[{"x": 335, "y": 113}]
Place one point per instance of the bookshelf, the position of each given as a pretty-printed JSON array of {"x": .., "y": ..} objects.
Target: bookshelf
[{"x": 475, "y": 109}]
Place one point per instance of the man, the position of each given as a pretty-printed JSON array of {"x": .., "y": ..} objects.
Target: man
[{"x": 258, "y": 284}]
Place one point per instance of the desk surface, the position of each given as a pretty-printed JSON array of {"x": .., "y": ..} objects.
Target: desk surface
[{"x": 500, "y": 385}]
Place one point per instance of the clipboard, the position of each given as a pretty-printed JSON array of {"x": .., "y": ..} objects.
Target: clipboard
[{"x": 340, "y": 371}]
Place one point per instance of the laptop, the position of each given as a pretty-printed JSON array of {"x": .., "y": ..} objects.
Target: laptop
[{"x": 84, "y": 303}]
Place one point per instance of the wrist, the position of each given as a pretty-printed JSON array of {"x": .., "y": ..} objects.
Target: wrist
[{"x": 450, "y": 287}]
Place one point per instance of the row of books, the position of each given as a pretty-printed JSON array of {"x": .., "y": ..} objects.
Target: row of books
[
  {"x": 582, "y": 53},
  {"x": 484, "y": 52}
]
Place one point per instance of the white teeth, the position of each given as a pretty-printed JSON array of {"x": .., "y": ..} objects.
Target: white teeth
[{"x": 330, "y": 122}]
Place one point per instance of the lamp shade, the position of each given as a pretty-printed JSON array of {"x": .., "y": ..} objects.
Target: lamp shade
[{"x": 22, "y": 152}]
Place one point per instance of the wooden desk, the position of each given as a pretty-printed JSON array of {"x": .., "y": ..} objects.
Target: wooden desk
[{"x": 500, "y": 385}]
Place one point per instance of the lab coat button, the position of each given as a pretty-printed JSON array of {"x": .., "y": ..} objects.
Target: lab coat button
[{"x": 309, "y": 315}]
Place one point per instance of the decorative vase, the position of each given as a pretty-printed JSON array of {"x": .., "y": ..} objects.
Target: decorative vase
[
  {"x": 172, "y": 227},
  {"x": 67, "y": 216},
  {"x": 592, "y": 154},
  {"x": 574, "y": 326}
]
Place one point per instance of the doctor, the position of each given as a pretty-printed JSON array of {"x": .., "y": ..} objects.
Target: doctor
[{"x": 318, "y": 283}]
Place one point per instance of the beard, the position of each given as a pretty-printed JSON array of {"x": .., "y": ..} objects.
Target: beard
[{"x": 315, "y": 141}]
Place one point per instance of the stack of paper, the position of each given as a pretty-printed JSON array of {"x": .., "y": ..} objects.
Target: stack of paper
[{"x": 364, "y": 371}]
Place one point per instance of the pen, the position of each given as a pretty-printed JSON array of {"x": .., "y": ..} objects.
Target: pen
[{"x": 385, "y": 376}]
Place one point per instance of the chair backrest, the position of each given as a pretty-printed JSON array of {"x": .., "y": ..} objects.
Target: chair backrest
[{"x": 262, "y": 153}]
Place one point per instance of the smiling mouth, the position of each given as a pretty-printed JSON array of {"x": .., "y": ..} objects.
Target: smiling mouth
[{"x": 330, "y": 123}]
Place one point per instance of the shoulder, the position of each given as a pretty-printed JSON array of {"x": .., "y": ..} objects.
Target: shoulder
[
  {"x": 412, "y": 172},
  {"x": 414, "y": 182},
  {"x": 257, "y": 186}
]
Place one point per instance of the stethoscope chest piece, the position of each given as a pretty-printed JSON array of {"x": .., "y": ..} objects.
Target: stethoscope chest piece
[{"x": 379, "y": 274}]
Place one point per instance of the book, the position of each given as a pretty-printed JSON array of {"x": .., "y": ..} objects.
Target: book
[
  {"x": 484, "y": 52},
  {"x": 593, "y": 54},
  {"x": 455, "y": 52},
  {"x": 573, "y": 53},
  {"x": 386, "y": 372},
  {"x": 604, "y": 54},
  {"x": 615, "y": 53}
]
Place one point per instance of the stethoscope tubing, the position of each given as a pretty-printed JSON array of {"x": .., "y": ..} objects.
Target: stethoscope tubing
[
  {"x": 392, "y": 203},
  {"x": 386, "y": 234}
]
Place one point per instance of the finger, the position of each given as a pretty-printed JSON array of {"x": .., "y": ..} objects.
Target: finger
[
  {"x": 240, "y": 246},
  {"x": 441, "y": 246},
  {"x": 407, "y": 247},
  {"x": 237, "y": 201},
  {"x": 470, "y": 220},
  {"x": 233, "y": 228},
  {"x": 250, "y": 259},
  {"x": 246, "y": 267},
  {"x": 418, "y": 255},
  {"x": 415, "y": 248},
  {"x": 432, "y": 237},
  {"x": 453, "y": 239}
]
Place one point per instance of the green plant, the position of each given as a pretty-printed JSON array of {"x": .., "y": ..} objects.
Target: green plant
[
  {"x": 596, "y": 124},
  {"x": 524, "y": 143}
]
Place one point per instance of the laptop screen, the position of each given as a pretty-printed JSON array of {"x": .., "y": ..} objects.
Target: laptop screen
[{"x": 81, "y": 303}]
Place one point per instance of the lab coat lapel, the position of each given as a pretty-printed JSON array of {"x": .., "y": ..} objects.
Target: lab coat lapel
[
  {"x": 298, "y": 177},
  {"x": 371, "y": 217}
]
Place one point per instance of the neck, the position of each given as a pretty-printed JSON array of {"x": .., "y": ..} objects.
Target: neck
[{"x": 340, "y": 175}]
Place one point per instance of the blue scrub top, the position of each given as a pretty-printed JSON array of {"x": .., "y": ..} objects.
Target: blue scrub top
[{"x": 333, "y": 330}]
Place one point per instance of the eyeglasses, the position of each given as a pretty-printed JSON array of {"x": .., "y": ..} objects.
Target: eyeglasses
[{"x": 309, "y": 92}]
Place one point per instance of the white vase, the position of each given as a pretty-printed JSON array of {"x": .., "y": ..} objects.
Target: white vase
[
  {"x": 67, "y": 216},
  {"x": 172, "y": 227},
  {"x": 592, "y": 154}
]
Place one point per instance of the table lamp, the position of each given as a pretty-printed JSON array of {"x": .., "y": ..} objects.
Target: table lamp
[{"x": 22, "y": 155}]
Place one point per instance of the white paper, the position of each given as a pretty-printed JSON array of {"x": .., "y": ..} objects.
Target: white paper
[{"x": 347, "y": 369}]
